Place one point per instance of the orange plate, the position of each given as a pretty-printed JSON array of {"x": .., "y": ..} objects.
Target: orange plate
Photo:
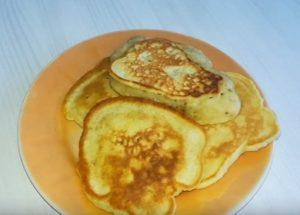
[{"x": 48, "y": 141}]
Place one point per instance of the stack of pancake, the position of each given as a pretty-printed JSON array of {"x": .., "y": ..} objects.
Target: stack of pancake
[{"x": 157, "y": 120}]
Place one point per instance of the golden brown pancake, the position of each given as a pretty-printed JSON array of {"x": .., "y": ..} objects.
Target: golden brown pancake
[
  {"x": 175, "y": 74},
  {"x": 89, "y": 90},
  {"x": 253, "y": 128},
  {"x": 136, "y": 155},
  {"x": 263, "y": 127}
]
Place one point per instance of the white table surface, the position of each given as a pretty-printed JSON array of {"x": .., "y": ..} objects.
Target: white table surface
[{"x": 263, "y": 36}]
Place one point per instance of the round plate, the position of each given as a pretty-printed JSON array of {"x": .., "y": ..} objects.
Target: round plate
[{"x": 48, "y": 141}]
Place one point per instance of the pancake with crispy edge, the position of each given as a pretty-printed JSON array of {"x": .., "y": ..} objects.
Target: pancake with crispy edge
[
  {"x": 136, "y": 155},
  {"x": 252, "y": 129},
  {"x": 175, "y": 74},
  {"x": 264, "y": 127},
  {"x": 87, "y": 91}
]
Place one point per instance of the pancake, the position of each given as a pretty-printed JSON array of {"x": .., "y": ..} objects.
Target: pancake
[
  {"x": 177, "y": 75},
  {"x": 269, "y": 128},
  {"x": 263, "y": 127},
  {"x": 90, "y": 89},
  {"x": 136, "y": 155},
  {"x": 253, "y": 128}
]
